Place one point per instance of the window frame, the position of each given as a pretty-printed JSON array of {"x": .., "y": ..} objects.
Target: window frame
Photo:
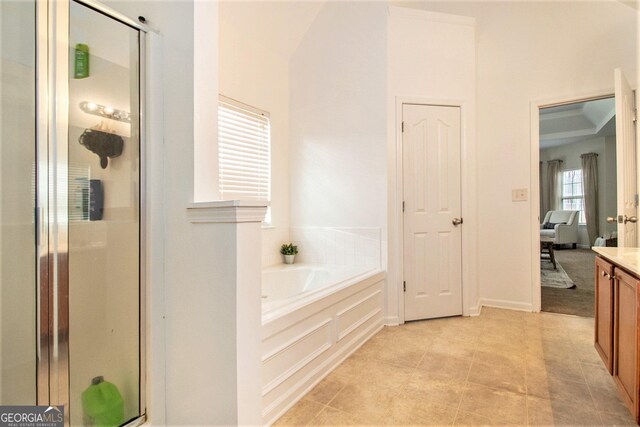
[
  {"x": 573, "y": 197},
  {"x": 222, "y": 99}
]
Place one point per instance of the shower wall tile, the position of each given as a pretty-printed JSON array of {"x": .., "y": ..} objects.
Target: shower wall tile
[{"x": 340, "y": 246}]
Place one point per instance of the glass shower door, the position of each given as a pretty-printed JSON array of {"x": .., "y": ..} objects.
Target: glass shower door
[
  {"x": 18, "y": 292},
  {"x": 103, "y": 214}
]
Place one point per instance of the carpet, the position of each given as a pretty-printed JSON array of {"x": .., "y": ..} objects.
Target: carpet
[
  {"x": 579, "y": 301},
  {"x": 557, "y": 278}
]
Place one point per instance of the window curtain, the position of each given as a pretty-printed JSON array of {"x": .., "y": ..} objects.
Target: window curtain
[
  {"x": 590, "y": 190},
  {"x": 554, "y": 185}
]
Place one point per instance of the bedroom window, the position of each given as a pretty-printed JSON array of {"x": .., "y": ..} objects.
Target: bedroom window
[
  {"x": 244, "y": 145},
  {"x": 572, "y": 192}
]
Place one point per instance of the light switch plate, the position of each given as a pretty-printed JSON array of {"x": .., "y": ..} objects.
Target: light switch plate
[{"x": 520, "y": 194}]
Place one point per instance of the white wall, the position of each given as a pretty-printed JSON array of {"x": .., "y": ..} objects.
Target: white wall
[
  {"x": 192, "y": 348},
  {"x": 337, "y": 119},
  {"x": 530, "y": 51},
  {"x": 431, "y": 59},
  {"x": 570, "y": 155},
  {"x": 257, "y": 73}
]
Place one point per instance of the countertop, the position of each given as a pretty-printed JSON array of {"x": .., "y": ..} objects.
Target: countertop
[{"x": 627, "y": 258}]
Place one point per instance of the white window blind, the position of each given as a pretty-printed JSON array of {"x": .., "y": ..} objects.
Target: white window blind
[{"x": 244, "y": 139}]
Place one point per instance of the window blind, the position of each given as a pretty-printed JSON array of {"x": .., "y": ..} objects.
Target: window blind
[{"x": 244, "y": 151}]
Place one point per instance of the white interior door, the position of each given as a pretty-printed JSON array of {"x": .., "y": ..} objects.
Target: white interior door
[
  {"x": 432, "y": 242},
  {"x": 626, "y": 161}
]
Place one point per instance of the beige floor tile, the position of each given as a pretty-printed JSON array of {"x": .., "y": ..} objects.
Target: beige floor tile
[
  {"x": 507, "y": 374},
  {"x": 617, "y": 420},
  {"x": 434, "y": 388},
  {"x": 327, "y": 389},
  {"x": 568, "y": 369},
  {"x": 451, "y": 346},
  {"x": 498, "y": 405},
  {"x": 301, "y": 414},
  {"x": 333, "y": 417},
  {"x": 551, "y": 387},
  {"x": 451, "y": 367},
  {"x": 464, "y": 418},
  {"x": 368, "y": 405},
  {"x": 401, "y": 352},
  {"x": 596, "y": 375},
  {"x": 607, "y": 400},
  {"x": 499, "y": 355},
  {"x": 558, "y": 412},
  {"x": 411, "y": 410},
  {"x": 500, "y": 368},
  {"x": 374, "y": 373}
]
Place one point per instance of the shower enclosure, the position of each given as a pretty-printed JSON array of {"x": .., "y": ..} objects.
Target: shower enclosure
[{"x": 71, "y": 252}]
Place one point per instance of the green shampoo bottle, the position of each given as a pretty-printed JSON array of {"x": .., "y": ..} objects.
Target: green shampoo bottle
[
  {"x": 81, "y": 62},
  {"x": 102, "y": 404}
]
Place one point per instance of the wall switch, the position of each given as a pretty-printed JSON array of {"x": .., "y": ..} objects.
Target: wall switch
[{"x": 520, "y": 194}]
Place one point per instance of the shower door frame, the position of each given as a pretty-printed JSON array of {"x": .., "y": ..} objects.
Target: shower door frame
[{"x": 52, "y": 144}]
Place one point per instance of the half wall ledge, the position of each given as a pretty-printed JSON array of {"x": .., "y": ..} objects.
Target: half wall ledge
[{"x": 227, "y": 211}]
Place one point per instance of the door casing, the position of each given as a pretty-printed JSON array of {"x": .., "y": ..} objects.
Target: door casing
[
  {"x": 470, "y": 300},
  {"x": 535, "y": 106}
]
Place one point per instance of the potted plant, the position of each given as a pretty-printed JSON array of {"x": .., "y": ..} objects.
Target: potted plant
[{"x": 289, "y": 251}]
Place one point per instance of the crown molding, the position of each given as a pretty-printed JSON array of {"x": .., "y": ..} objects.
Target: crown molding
[{"x": 227, "y": 211}]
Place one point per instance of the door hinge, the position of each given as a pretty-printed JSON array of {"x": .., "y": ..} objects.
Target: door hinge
[
  {"x": 403, "y": 206},
  {"x": 404, "y": 286},
  {"x": 403, "y": 127}
]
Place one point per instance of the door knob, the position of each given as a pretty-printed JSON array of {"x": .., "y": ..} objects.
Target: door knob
[
  {"x": 631, "y": 219},
  {"x": 612, "y": 219},
  {"x": 456, "y": 221}
]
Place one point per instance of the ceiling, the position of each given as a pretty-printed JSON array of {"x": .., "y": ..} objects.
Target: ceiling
[{"x": 571, "y": 123}]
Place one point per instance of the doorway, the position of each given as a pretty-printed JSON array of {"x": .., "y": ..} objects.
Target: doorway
[
  {"x": 432, "y": 218},
  {"x": 578, "y": 181}
]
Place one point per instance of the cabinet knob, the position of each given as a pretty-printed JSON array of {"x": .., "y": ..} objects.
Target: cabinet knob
[{"x": 607, "y": 275}]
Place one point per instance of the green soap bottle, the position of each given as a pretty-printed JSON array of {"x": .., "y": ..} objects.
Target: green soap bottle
[
  {"x": 81, "y": 68},
  {"x": 102, "y": 404}
]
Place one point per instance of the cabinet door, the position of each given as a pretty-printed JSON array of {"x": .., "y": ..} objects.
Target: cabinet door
[
  {"x": 604, "y": 312},
  {"x": 625, "y": 367}
]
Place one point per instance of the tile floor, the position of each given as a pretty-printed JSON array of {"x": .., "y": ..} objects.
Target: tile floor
[{"x": 503, "y": 367}]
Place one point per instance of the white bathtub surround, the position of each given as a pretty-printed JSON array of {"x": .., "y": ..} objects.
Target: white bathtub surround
[
  {"x": 240, "y": 222},
  {"x": 313, "y": 318},
  {"x": 339, "y": 245}
]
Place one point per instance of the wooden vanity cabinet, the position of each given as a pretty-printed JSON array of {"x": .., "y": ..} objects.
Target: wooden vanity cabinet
[
  {"x": 617, "y": 325},
  {"x": 604, "y": 312},
  {"x": 625, "y": 339}
]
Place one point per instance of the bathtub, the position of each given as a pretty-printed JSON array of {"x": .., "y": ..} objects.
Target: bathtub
[
  {"x": 289, "y": 286},
  {"x": 313, "y": 317}
]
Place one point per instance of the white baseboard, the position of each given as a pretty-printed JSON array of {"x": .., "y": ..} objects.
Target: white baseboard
[
  {"x": 510, "y": 305},
  {"x": 391, "y": 321},
  {"x": 475, "y": 311}
]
